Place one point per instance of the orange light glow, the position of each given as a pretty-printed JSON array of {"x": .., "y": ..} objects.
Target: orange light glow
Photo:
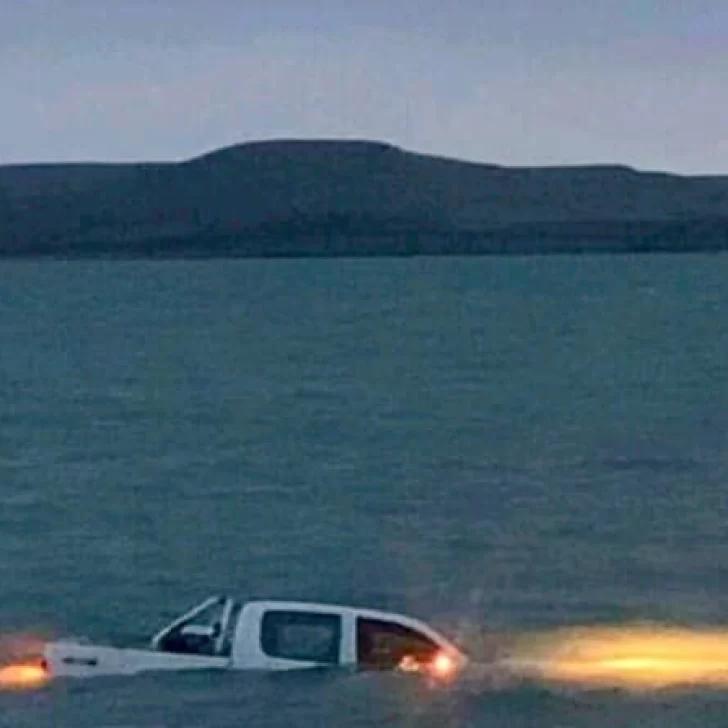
[
  {"x": 641, "y": 658},
  {"x": 443, "y": 666},
  {"x": 18, "y": 677},
  {"x": 409, "y": 664}
]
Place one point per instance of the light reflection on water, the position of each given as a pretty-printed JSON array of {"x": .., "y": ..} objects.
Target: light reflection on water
[{"x": 633, "y": 657}]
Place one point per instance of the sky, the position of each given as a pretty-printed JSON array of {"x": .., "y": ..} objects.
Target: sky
[{"x": 513, "y": 82}]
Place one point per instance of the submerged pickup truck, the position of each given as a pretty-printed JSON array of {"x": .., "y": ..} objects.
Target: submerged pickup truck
[{"x": 223, "y": 633}]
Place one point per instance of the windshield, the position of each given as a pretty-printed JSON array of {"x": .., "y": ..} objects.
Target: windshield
[{"x": 201, "y": 631}]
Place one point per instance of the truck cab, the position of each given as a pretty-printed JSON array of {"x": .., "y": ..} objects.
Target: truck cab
[{"x": 278, "y": 635}]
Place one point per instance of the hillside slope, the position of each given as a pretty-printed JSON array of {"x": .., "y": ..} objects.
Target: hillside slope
[{"x": 303, "y": 197}]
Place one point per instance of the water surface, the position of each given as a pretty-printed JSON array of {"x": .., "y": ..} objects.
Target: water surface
[{"x": 488, "y": 443}]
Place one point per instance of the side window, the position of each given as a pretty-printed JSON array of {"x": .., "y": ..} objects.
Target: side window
[
  {"x": 385, "y": 644},
  {"x": 304, "y": 636}
]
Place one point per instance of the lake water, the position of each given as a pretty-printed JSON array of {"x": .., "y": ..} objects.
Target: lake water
[{"x": 492, "y": 444}]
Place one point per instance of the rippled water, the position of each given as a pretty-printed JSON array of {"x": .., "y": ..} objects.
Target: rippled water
[{"x": 491, "y": 444}]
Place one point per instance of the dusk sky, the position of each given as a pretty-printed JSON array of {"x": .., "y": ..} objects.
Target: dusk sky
[{"x": 520, "y": 82}]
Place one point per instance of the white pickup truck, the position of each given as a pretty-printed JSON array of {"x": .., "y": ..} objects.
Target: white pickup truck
[{"x": 225, "y": 634}]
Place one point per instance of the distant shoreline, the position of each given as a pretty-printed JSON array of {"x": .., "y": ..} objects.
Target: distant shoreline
[{"x": 345, "y": 199}]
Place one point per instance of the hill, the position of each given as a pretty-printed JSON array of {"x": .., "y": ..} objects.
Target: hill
[{"x": 298, "y": 197}]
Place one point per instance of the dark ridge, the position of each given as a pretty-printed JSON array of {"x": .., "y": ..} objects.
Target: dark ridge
[
  {"x": 300, "y": 146},
  {"x": 297, "y": 197}
]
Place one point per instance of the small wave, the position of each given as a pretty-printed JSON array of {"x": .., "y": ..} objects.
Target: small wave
[
  {"x": 21, "y": 500},
  {"x": 654, "y": 464}
]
